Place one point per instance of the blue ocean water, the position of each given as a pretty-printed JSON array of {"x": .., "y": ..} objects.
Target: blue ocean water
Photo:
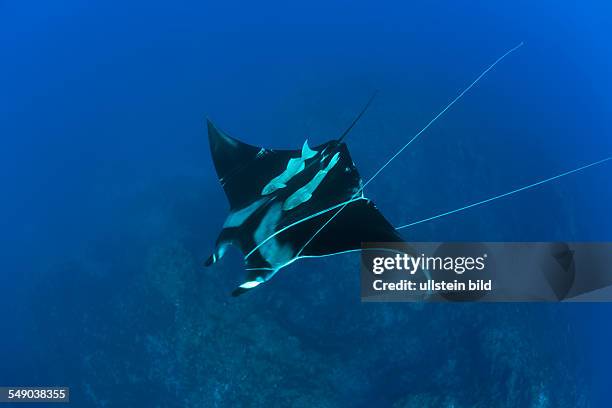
[{"x": 110, "y": 201}]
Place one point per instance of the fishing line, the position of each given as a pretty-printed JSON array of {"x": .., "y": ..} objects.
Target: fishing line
[
  {"x": 488, "y": 200},
  {"x": 489, "y": 68}
]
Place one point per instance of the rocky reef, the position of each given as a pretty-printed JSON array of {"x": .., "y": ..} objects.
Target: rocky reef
[{"x": 138, "y": 321}]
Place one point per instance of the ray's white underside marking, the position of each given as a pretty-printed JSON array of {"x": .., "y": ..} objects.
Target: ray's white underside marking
[
  {"x": 251, "y": 284},
  {"x": 303, "y": 194},
  {"x": 300, "y": 221},
  {"x": 294, "y": 167},
  {"x": 237, "y": 218},
  {"x": 271, "y": 250}
]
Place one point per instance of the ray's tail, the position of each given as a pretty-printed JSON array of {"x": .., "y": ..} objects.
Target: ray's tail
[
  {"x": 509, "y": 193},
  {"x": 354, "y": 122}
]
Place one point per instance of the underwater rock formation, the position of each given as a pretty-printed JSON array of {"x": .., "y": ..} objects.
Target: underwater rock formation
[{"x": 152, "y": 327}]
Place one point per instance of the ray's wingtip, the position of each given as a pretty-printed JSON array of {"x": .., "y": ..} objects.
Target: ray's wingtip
[
  {"x": 239, "y": 291},
  {"x": 213, "y": 131},
  {"x": 210, "y": 261}
]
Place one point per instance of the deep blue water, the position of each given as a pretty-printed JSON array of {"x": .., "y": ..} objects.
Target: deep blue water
[{"x": 110, "y": 203}]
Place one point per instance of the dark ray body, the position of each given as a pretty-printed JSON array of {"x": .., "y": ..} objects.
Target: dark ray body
[{"x": 273, "y": 222}]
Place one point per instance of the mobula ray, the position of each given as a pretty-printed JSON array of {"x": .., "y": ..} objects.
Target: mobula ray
[{"x": 310, "y": 202}]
